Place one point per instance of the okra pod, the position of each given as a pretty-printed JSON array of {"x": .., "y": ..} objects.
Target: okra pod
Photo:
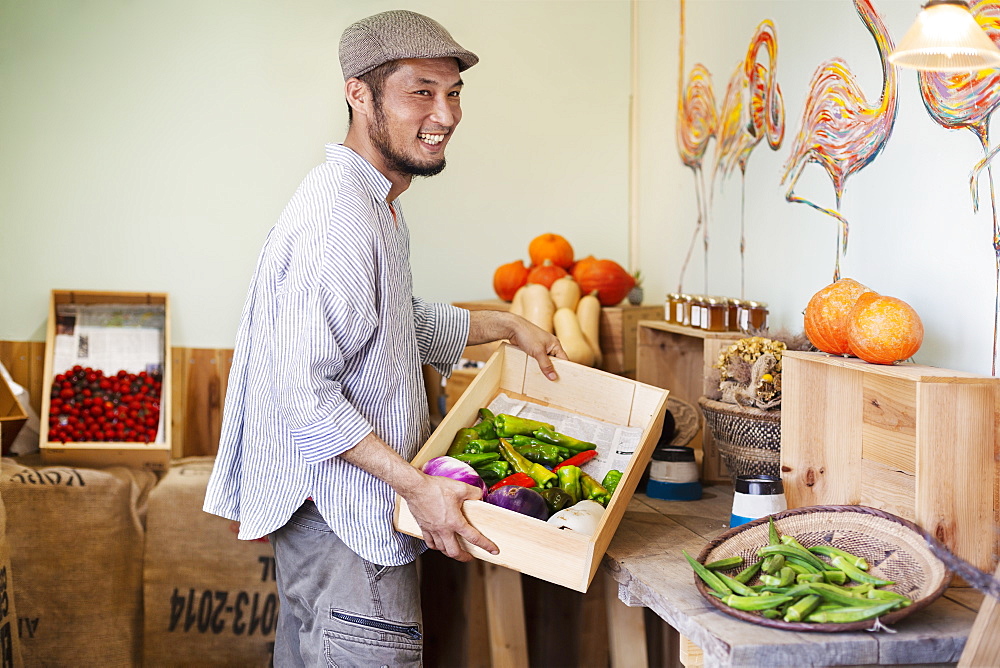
[
  {"x": 834, "y": 577},
  {"x": 856, "y": 574},
  {"x": 805, "y": 578},
  {"x": 836, "y": 594},
  {"x": 707, "y": 576},
  {"x": 791, "y": 540},
  {"x": 784, "y": 578},
  {"x": 792, "y": 551},
  {"x": 754, "y": 603},
  {"x": 773, "y": 538},
  {"x": 737, "y": 586},
  {"x": 802, "y": 608},
  {"x": 747, "y": 573},
  {"x": 851, "y": 614},
  {"x": 889, "y": 595},
  {"x": 776, "y": 563},
  {"x": 724, "y": 564},
  {"x": 831, "y": 551}
]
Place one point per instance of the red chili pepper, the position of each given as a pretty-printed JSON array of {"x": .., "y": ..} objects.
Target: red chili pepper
[
  {"x": 519, "y": 479},
  {"x": 579, "y": 459}
]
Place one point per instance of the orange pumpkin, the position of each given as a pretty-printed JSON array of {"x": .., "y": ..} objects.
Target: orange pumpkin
[
  {"x": 546, "y": 273},
  {"x": 580, "y": 265},
  {"x": 827, "y": 315},
  {"x": 607, "y": 277},
  {"x": 550, "y": 247},
  {"x": 884, "y": 330},
  {"x": 508, "y": 278}
]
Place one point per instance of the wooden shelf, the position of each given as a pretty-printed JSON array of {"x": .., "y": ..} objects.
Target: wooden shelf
[{"x": 682, "y": 360}]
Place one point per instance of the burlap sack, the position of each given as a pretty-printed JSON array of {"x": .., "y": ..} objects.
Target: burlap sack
[
  {"x": 76, "y": 540},
  {"x": 210, "y": 599},
  {"x": 10, "y": 643}
]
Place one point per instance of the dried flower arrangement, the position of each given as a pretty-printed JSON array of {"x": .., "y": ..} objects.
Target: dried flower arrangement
[{"x": 750, "y": 369}]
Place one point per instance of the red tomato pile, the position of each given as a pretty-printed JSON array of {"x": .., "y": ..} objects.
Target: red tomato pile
[{"x": 86, "y": 405}]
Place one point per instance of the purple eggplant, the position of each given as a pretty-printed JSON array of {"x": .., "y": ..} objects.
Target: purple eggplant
[
  {"x": 449, "y": 467},
  {"x": 522, "y": 500}
]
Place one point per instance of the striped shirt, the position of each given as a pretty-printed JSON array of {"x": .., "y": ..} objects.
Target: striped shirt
[{"x": 329, "y": 348}]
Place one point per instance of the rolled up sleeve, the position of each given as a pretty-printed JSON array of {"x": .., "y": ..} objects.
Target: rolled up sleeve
[
  {"x": 315, "y": 332},
  {"x": 442, "y": 331}
]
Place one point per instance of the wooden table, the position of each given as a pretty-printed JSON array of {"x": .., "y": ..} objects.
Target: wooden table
[{"x": 645, "y": 559}]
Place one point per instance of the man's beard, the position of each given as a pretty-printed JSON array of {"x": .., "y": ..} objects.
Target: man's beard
[{"x": 394, "y": 160}]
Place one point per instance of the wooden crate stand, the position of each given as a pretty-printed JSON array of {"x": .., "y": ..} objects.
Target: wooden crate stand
[
  {"x": 917, "y": 441},
  {"x": 682, "y": 360},
  {"x": 152, "y": 456}
]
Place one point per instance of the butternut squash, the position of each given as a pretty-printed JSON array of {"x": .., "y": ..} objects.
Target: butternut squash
[
  {"x": 517, "y": 303},
  {"x": 588, "y": 312},
  {"x": 571, "y": 337},
  {"x": 537, "y": 306},
  {"x": 565, "y": 292}
]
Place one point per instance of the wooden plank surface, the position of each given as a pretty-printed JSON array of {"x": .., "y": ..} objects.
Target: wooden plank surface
[
  {"x": 645, "y": 559},
  {"x": 626, "y": 629},
  {"x": 504, "y": 600},
  {"x": 983, "y": 647}
]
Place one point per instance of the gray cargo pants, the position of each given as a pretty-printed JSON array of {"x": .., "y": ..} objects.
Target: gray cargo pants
[{"x": 338, "y": 609}]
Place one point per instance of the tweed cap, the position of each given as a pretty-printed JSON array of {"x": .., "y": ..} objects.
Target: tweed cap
[{"x": 394, "y": 35}]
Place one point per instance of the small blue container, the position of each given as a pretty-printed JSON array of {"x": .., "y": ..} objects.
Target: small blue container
[
  {"x": 756, "y": 496},
  {"x": 673, "y": 474}
]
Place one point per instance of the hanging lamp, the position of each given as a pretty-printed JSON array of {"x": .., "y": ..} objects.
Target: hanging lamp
[{"x": 946, "y": 38}]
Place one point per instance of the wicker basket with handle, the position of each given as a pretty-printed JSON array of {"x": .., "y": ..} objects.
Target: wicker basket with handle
[{"x": 749, "y": 439}]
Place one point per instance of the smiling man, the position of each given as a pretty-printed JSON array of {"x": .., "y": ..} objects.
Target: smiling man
[{"x": 326, "y": 403}]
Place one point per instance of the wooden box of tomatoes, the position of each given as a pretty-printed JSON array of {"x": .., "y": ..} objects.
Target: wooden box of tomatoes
[
  {"x": 106, "y": 388},
  {"x": 629, "y": 416}
]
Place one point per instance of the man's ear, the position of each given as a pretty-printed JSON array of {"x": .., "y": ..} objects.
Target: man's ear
[{"x": 358, "y": 95}]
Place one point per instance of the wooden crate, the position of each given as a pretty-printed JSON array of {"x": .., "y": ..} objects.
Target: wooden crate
[
  {"x": 917, "y": 441},
  {"x": 152, "y": 456},
  {"x": 526, "y": 544},
  {"x": 617, "y": 331},
  {"x": 682, "y": 359},
  {"x": 12, "y": 415}
]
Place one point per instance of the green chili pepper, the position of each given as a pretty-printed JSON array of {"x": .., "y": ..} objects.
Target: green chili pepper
[
  {"x": 569, "y": 481},
  {"x": 508, "y": 425},
  {"x": 802, "y": 608},
  {"x": 831, "y": 551},
  {"x": 520, "y": 440},
  {"x": 462, "y": 439},
  {"x": 611, "y": 480},
  {"x": 547, "y": 455},
  {"x": 792, "y": 551},
  {"x": 479, "y": 445},
  {"x": 486, "y": 414},
  {"x": 593, "y": 490},
  {"x": 543, "y": 477},
  {"x": 549, "y": 435},
  {"x": 851, "y": 614},
  {"x": 493, "y": 472},
  {"x": 752, "y": 603},
  {"x": 747, "y": 573},
  {"x": 724, "y": 564},
  {"x": 485, "y": 429},
  {"x": 734, "y": 584},
  {"x": 706, "y": 575},
  {"x": 856, "y": 574},
  {"x": 556, "y": 498},
  {"x": 477, "y": 460}
]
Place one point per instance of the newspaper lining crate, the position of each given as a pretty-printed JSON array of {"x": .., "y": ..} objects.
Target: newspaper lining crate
[
  {"x": 618, "y": 327},
  {"x": 153, "y": 456},
  {"x": 526, "y": 544},
  {"x": 682, "y": 359},
  {"x": 917, "y": 441}
]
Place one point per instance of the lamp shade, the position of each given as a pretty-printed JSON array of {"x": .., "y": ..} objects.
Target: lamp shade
[{"x": 946, "y": 38}]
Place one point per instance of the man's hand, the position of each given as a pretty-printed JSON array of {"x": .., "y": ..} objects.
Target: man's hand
[
  {"x": 434, "y": 501},
  {"x": 486, "y": 326},
  {"x": 436, "y": 505}
]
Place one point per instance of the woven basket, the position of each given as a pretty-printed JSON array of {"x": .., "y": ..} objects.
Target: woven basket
[
  {"x": 749, "y": 439},
  {"x": 896, "y": 550}
]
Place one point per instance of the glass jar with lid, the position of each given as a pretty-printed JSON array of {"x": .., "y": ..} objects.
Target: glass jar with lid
[
  {"x": 757, "y": 313},
  {"x": 697, "y": 311},
  {"x": 684, "y": 310},
  {"x": 670, "y": 309},
  {"x": 732, "y": 314},
  {"x": 714, "y": 314}
]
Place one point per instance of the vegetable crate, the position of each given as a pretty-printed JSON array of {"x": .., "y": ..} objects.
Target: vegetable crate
[
  {"x": 916, "y": 441},
  {"x": 109, "y": 331},
  {"x": 526, "y": 544}
]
